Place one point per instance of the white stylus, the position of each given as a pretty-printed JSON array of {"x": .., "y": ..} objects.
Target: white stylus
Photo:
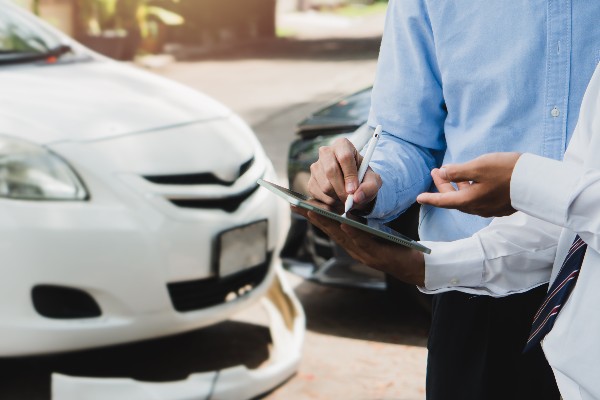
[{"x": 364, "y": 165}]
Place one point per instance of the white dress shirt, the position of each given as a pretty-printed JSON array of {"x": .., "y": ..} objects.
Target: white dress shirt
[{"x": 556, "y": 200}]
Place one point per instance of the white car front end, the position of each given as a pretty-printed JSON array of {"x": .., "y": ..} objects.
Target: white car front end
[
  {"x": 146, "y": 254},
  {"x": 129, "y": 210}
]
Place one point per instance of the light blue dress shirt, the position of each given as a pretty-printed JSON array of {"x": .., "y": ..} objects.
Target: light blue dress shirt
[{"x": 460, "y": 78}]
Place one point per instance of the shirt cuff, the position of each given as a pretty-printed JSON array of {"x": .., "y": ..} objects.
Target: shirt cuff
[
  {"x": 543, "y": 187},
  {"x": 453, "y": 264}
]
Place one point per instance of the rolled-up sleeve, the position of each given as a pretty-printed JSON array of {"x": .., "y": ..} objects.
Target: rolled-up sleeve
[{"x": 407, "y": 101}]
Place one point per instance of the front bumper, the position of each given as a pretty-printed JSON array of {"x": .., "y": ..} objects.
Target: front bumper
[
  {"x": 129, "y": 246},
  {"x": 125, "y": 265},
  {"x": 287, "y": 327}
]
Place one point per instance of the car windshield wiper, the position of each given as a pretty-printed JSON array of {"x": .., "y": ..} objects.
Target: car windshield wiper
[{"x": 24, "y": 57}]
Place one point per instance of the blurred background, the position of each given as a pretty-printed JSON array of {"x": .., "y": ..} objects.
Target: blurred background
[
  {"x": 277, "y": 64},
  {"x": 124, "y": 28}
]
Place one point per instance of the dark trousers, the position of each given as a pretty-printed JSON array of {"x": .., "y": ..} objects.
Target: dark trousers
[{"x": 475, "y": 349}]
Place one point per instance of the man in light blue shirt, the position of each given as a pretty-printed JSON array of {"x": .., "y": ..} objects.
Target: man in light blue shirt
[{"x": 457, "y": 79}]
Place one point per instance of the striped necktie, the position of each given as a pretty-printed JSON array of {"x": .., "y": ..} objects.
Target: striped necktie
[{"x": 557, "y": 294}]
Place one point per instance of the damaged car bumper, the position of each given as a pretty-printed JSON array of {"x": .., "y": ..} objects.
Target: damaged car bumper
[{"x": 286, "y": 322}]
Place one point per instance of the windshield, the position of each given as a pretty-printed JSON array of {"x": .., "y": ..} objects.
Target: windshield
[{"x": 23, "y": 37}]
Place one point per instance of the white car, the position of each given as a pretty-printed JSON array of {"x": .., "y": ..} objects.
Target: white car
[{"x": 129, "y": 210}]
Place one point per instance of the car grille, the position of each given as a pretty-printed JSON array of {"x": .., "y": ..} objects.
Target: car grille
[
  {"x": 218, "y": 200},
  {"x": 229, "y": 204},
  {"x": 203, "y": 178},
  {"x": 203, "y": 293}
]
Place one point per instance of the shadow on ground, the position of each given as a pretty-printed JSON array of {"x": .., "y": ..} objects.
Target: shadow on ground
[
  {"x": 169, "y": 359},
  {"x": 363, "y": 314}
]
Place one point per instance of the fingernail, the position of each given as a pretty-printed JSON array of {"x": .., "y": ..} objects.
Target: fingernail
[
  {"x": 359, "y": 197},
  {"x": 443, "y": 173},
  {"x": 350, "y": 187}
]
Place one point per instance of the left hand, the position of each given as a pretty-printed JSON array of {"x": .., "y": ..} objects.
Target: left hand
[
  {"x": 405, "y": 264},
  {"x": 483, "y": 185}
]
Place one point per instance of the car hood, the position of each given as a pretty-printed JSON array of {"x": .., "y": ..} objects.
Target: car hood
[{"x": 93, "y": 100}]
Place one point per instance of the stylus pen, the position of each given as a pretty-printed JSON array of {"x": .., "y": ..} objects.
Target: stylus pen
[{"x": 364, "y": 165}]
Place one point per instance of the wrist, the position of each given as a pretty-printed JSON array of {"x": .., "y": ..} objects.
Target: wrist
[
  {"x": 410, "y": 268},
  {"x": 418, "y": 260}
]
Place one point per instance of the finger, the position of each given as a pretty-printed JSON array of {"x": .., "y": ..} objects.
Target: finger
[
  {"x": 332, "y": 229},
  {"x": 330, "y": 172},
  {"x": 326, "y": 184},
  {"x": 469, "y": 171},
  {"x": 321, "y": 222},
  {"x": 316, "y": 191},
  {"x": 369, "y": 188},
  {"x": 348, "y": 159},
  {"x": 455, "y": 199},
  {"x": 427, "y": 198},
  {"x": 299, "y": 210},
  {"x": 442, "y": 184},
  {"x": 463, "y": 185},
  {"x": 356, "y": 234}
]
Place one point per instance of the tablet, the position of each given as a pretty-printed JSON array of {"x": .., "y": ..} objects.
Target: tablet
[{"x": 377, "y": 229}]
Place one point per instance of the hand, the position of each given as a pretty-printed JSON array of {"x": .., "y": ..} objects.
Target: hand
[
  {"x": 405, "y": 264},
  {"x": 335, "y": 175},
  {"x": 483, "y": 185}
]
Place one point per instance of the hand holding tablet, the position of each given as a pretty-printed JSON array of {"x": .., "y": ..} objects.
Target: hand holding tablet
[{"x": 378, "y": 230}]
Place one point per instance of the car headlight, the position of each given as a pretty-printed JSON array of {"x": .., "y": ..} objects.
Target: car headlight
[{"x": 31, "y": 172}]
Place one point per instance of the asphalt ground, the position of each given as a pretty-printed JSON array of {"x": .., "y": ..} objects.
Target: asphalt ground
[{"x": 359, "y": 344}]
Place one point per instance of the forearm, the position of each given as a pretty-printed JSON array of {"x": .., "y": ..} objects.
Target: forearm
[
  {"x": 405, "y": 172},
  {"x": 563, "y": 193},
  {"x": 513, "y": 254}
]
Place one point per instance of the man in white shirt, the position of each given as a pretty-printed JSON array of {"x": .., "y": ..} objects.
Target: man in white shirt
[{"x": 556, "y": 202}]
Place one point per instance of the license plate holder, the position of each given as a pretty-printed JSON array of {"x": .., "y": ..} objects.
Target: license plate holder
[{"x": 242, "y": 248}]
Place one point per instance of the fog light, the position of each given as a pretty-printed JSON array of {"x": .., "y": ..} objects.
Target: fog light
[{"x": 63, "y": 302}]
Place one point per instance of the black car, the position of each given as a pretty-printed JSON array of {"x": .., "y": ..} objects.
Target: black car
[{"x": 308, "y": 252}]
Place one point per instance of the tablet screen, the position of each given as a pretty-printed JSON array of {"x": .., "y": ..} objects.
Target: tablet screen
[{"x": 378, "y": 229}]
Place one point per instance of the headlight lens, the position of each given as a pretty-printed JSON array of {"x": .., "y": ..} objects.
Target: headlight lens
[{"x": 31, "y": 172}]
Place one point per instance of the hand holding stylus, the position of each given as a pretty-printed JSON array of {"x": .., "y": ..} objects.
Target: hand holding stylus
[
  {"x": 364, "y": 165},
  {"x": 335, "y": 175}
]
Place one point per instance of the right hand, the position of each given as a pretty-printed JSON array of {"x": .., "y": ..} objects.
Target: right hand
[
  {"x": 483, "y": 185},
  {"x": 335, "y": 175}
]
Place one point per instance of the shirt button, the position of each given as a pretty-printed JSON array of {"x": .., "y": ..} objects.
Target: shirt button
[
  {"x": 454, "y": 281},
  {"x": 555, "y": 112}
]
